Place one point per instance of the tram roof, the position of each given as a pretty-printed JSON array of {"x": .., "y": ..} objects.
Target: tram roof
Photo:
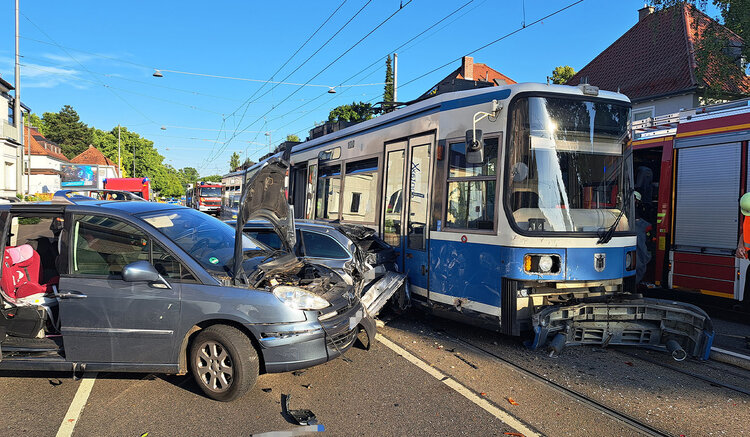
[{"x": 454, "y": 100}]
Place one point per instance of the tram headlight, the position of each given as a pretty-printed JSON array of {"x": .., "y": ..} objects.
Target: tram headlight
[
  {"x": 545, "y": 263},
  {"x": 630, "y": 260}
]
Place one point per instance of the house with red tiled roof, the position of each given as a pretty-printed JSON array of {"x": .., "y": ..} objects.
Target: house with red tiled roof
[
  {"x": 655, "y": 62},
  {"x": 468, "y": 76},
  {"x": 44, "y": 159},
  {"x": 94, "y": 156}
]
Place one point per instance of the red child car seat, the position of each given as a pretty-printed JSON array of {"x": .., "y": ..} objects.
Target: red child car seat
[{"x": 22, "y": 273}]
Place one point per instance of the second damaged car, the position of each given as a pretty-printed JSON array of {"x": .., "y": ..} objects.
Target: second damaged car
[
  {"x": 148, "y": 287},
  {"x": 353, "y": 251}
]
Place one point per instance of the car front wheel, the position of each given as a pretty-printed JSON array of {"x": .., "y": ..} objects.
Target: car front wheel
[{"x": 224, "y": 362}]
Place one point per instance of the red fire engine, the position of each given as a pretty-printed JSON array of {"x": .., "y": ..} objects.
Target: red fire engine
[
  {"x": 206, "y": 197},
  {"x": 691, "y": 169},
  {"x": 138, "y": 186}
]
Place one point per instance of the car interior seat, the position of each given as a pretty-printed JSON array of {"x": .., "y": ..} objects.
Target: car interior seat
[{"x": 22, "y": 274}]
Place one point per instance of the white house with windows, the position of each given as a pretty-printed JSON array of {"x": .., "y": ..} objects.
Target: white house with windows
[{"x": 10, "y": 146}]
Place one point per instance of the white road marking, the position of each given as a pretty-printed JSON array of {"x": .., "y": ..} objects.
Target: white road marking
[
  {"x": 460, "y": 389},
  {"x": 76, "y": 407}
]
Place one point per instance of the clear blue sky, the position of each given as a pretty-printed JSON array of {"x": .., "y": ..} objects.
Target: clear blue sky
[{"x": 111, "y": 49}]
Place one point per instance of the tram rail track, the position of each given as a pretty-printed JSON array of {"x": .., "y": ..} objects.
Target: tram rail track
[
  {"x": 713, "y": 381},
  {"x": 623, "y": 418}
]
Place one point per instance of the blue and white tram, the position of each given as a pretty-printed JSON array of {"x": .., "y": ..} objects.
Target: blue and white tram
[{"x": 510, "y": 207}]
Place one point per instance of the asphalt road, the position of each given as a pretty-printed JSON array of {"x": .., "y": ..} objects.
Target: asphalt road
[{"x": 416, "y": 381}]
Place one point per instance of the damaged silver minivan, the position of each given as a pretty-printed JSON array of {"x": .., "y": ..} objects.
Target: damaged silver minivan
[{"x": 148, "y": 287}]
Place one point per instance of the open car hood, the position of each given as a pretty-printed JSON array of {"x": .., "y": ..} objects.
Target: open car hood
[{"x": 264, "y": 196}]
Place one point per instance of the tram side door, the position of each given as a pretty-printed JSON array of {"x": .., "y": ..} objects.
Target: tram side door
[
  {"x": 405, "y": 206},
  {"x": 310, "y": 187}
]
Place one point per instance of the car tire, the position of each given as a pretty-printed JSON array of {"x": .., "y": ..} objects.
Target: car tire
[{"x": 223, "y": 362}]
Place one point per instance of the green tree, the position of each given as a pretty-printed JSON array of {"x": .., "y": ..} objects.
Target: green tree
[
  {"x": 234, "y": 161},
  {"x": 211, "y": 178},
  {"x": 292, "y": 137},
  {"x": 33, "y": 120},
  {"x": 248, "y": 163},
  {"x": 355, "y": 112},
  {"x": 188, "y": 175},
  {"x": 388, "y": 91},
  {"x": 67, "y": 130},
  {"x": 717, "y": 52},
  {"x": 563, "y": 73}
]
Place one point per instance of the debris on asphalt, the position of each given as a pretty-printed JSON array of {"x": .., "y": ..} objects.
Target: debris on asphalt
[
  {"x": 512, "y": 402},
  {"x": 307, "y": 386},
  {"x": 298, "y": 372},
  {"x": 299, "y": 417},
  {"x": 55, "y": 382},
  {"x": 629, "y": 363},
  {"x": 266, "y": 390},
  {"x": 514, "y": 434}
]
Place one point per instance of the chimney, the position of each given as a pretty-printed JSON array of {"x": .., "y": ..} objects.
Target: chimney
[
  {"x": 467, "y": 67},
  {"x": 644, "y": 12}
]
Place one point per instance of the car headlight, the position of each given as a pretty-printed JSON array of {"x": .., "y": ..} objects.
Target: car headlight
[
  {"x": 545, "y": 263},
  {"x": 299, "y": 299}
]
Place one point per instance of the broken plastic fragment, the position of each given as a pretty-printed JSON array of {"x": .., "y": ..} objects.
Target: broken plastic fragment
[
  {"x": 629, "y": 363},
  {"x": 267, "y": 390},
  {"x": 300, "y": 417},
  {"x": 512, "y": 402}
]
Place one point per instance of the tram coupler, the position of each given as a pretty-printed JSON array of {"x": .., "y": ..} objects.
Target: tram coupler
[
  {"x": 625, "y": 320},
  {"x": 674, "y": 348}
]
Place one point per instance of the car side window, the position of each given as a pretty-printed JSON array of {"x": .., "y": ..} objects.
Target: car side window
[
  {"x": 104, "y": 245},
  {"x": 269, "y": 237},
  {"x": 322, "y": 246},
  {"x": 168, "y": 266}
]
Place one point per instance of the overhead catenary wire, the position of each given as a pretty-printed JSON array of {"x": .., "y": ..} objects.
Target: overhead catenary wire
[
  {"x": 432, "y": 26},
  {"x": 524, "y": 26},
  {"x": 336, "y": 59},
  {"x": 247, "y": 102}
]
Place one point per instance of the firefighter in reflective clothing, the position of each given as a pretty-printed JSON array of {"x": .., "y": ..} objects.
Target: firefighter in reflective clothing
[{"x": 743, "y": 246}]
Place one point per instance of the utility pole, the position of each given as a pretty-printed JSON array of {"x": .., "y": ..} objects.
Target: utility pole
[
  {"x": 17, "y": 116},
  {"x": 119, "y": 155},
  {"x": 28, "y": 167},
  {"x": 395, "y": 77},
  {"x": 133, "y": 175}
]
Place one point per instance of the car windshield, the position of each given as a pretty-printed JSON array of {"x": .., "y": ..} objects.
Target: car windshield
[
  {"x": 210, "y": 191},
  {"x": 566, "y": 171},
  {"x": 207, "y": 239}
]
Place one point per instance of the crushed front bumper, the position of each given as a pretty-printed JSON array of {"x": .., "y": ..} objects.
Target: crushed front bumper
[
  {"x": 376, "y": 294},
  {"x": 627, "y": 320},
  {"x": 300, "y": 345}
]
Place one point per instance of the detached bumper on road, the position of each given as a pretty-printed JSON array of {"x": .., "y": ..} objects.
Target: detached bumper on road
[
  {"x": 680, "y": 328},
  {"x": 301, "y": 345}
]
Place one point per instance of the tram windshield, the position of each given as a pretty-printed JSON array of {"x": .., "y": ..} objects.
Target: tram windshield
[{"x": 566, "y": 171}]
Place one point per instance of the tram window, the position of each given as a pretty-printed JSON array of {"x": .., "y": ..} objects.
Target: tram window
[
  {"x": 459, "y": 168},
  {"x": 360, "y": 189},
  {"x": 328, "y": 193},
  {"x": 471, "y": 188}
]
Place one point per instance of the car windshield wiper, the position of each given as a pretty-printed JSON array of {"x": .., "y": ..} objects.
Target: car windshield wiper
[{"x": 607, "y": 236}]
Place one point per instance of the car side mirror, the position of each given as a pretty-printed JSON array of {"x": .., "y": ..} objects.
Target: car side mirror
[
  {"x": 474, "y": 147},
  {"x": 143, "y": 271}
]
